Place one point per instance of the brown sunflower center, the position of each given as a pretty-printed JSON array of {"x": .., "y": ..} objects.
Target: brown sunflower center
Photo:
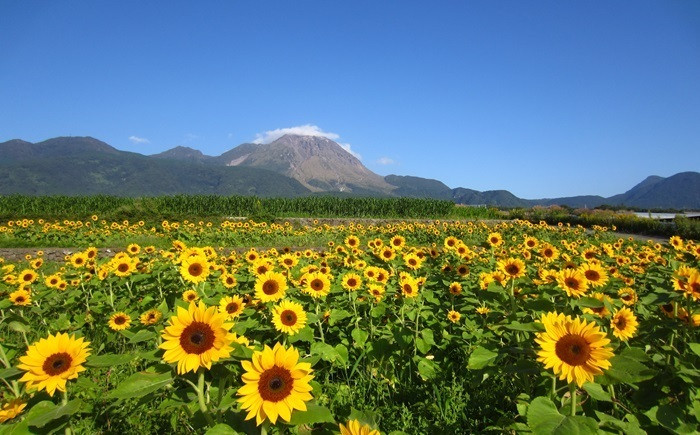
[
  {"x": 388, "y": 253},
  {"x": 573, "y": 349},
  {"x": 317, "y": 285},
  {"x": 407, "y": 289},
  {"x": 620, "y": 322},
  {"x": 572, "y": 283},
  {"x": 288, "y": 261},
  {"x": 598, "y": 310},
  {"x": 512, "y": 269},
  {"x": 27, "y": 277},
  {"x": 626, "y": 297},
  {"x": 352, "y": 282},
  {"x": 548, "y": 253},
  {"x": 123, "y": 267},
  {"x": 275, "y": 384},
  {"x": 57, "y": 363},
  {"x": 288, "y": 317},
  {"x": 270, "y": 287},
  {"x": 232, "y": 307},
  {"x": 119, "y": 320},
  {"x": 197, "y": 338},
  {"x": 592, "y": 275},
  {"x": 19, "y": 299},
  {"x": 195, "y": 269}
]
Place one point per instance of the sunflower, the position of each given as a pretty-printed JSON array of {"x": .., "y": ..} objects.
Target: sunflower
[
  {"x": 376, "y": 290},
  {"x": 231, "y": 306},
  {"x": 318, "y": 284},
  {"x": 21, "y": 297},
  {"x": 123, "y": 266},
  {"x": 576, "y": 350},
  {"x": 288, "y": 261},
  {"x": 624, "y": 324},
  {"x": 549, "y": 253},
  {"x": 196, "y": 337},
  {"x": 627, "y": 295},
  {"x": 412, "y": 261},
  {"x": 151, "y": 317},
  {"x": 119, "y": 321},
  {"x": 530, "y": 242},
  {"x": 495, "y": 239},
  {"x": 351, "y": 281},
  {"x": 455, "y": 288},
  {"x": 573, "y": 282},
  {"x": 270, "y": 287},
  {"x": 409, "y": 286},
  {"x": 450, "y": 242},
  {"x": 692, "y": 286},
  {"x": 28, "y": 276},
  {"x": 676, "y": 242},
  {"x": 51, "y": 361},
  {"x": 453, "y": 316},
  {"x": 595, "y": 274},
  {"x": 387, "y": 253},
  {"x": 189, "y": 296},
  {"x": 79, "y": 259},
  {"x": 228, "y": 280},
  {"x": 398, "y": 242},
  {"x": 195, "y": 269},
  {"x": 12, "y": 409},
  {"x": 288, "y": 317},
  {"x": 601, "y": 311},
  {"x": 275, "y": 384},
  {"x": 133, "y": 249},
  {"x": 513, "y": 267},
  {"x": 352, "y": 241},
  {"x": 483, "y": 310},
  {"x": 354, "y": 427}
]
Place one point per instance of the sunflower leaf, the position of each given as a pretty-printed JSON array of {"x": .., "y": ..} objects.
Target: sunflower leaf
[
  {"x": 141, "y": 336},
  {"x": 597, "y": 392},
  {"x": 140, "y": 384},
  {"x": 544, "y": 418},
  {"x": 480, "y": 358},
  {"x": 221, "y": 429},
  {"x": 314, "y": 414},
  {"x": 49, "y": 413},
  {"x": 695, "y": 347},
  {"x": 108, "y": 360}
]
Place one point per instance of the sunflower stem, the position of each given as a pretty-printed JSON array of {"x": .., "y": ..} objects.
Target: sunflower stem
[
  {"x": 64, "y": 401},
  {"x": 572, "y": 392},
  {"x": 200, "y": 396},
  {"x": 512, "y": 296},
  {"x": 320, "y": 325}
]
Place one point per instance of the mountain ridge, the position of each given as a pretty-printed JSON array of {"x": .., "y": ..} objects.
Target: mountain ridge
[{"x": 292, "y": 165}]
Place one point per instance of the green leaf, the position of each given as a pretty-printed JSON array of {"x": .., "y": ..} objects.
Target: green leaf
[
  {"x": 544, "y": 418},
  {"x": 528, "y": 327},
  {"x": 49, "y": 412},
  {"x": 668, "y": 416},
  {"x": 8, "y": 373},
  {"x": 109, "y": 360},
  {"x": 427, "y": 368},
  {"x": 305, "y": 334},
  {"x": 140, "y": 384},
  {"x": 628, "y": 367},
  {"x": 359, "y": 336},
  {"x": 19, "y": 326},
  {"x": 597, "y": 392},
  {"x": 480, "y": 358},
  {"x": 338, "y": 315},
  {"x": 422, "y": 346},
  {"x": 141, "y": 336},
  {"x": 428, "y": 336},
  {"x": 342, "y": 352},
  {"x": 314, "y": 414},
  {"x": 221, "y": 429},
  {"x": 695, "y": 347},
  {"x": 628, "y": 428},
  {"x": 590, "y": 303}
]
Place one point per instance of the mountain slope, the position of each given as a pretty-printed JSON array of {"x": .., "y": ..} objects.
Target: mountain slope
[
  {"x": 316, "y": 162},
  {"x": 186, "y": 154}
]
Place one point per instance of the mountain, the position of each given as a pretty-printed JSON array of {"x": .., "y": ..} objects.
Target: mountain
[
  {"x": 290, "y": 166},
  {"x": 84, "y": 166},
  {"x": 186, "y": 154},
  {"x": 316, "y": 162}
]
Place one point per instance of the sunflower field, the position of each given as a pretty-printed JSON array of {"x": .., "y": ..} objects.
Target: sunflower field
[{"x": 403, "y": 327}]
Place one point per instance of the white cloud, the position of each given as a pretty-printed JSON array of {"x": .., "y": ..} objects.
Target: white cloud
[
  {"x": 385, "y": 161},
  {"x": 302, "y": 130},
  {"x": 138, "y": 140}
]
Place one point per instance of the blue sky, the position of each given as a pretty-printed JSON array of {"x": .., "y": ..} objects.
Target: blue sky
[{"x": 542, "y": 98}]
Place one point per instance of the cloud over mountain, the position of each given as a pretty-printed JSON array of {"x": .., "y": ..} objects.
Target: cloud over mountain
[{"x": 302, "y": 130}]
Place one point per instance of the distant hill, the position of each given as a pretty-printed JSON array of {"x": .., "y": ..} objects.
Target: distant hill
[
  {"x": 290, "y": 166},
  {"x": 82, "y": 166}
]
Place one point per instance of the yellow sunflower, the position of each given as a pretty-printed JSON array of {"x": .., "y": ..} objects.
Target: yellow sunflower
[
  {"x": 412, "y": 261},
  {"x": 624, "y": 324},
  {"x": 351, "y": 281},
  {"x": 455, "y": 288},
  {"x": 495, "y": 239},
  {"x": 483, "y": 310},
  {"x": 275, "y": 384},
  {"x": 288, "y": 317},
  {"x": 512, "y": 267},
  {"x": 28, "y": 276},
  {"x": 599, "y": 311},
  {"x": 409, "y": 286},
  {"x": 376, "y": 290},
  {"x": 21, "y": 297},
  {"x": 119, "y": 321},
  {"x": 270, "y": 287},
  {"x": 194, "y": 269},
  {"x": 354, "y": 427},
  {"x": 151, "y": 317},
  {"x": 12, "y": 409},
  {"x": 189, "y": 296},
  {"x": 595, "y": 275},
  {"x": 574, "y": 349},
  {"x": 231, "y": 306},
  {"x": 317, "y": 285},
  {"x": 627, "y": 295},
  {"x": 453, "y": 316},
  {"x": 51, "y": 361},
  {"x": 228, "y": 280},
  {"x": 196, "y": 337},
  {"x": 573, "y": 282}
]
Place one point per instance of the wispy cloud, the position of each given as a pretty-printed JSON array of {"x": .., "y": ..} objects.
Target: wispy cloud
[
  {"x": 385, "y": 161},
  {"x": 302, "y": 130},
  {"x": 138, "y": 140}
]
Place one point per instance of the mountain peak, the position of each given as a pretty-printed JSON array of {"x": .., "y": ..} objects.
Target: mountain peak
[{"x": 182, "y": 153}]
